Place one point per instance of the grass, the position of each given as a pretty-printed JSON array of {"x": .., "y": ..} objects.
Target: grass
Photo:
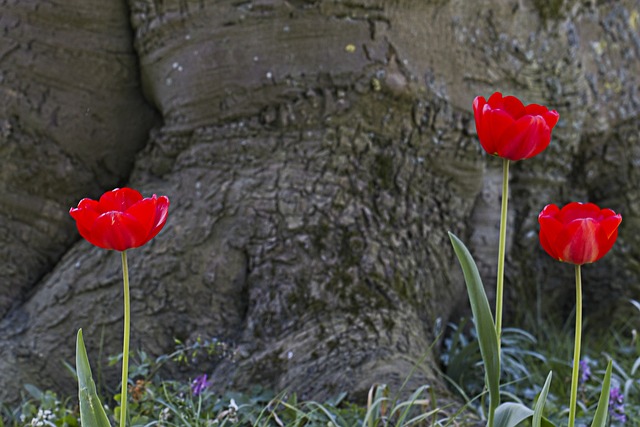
[{"x": 527, "y": 359}]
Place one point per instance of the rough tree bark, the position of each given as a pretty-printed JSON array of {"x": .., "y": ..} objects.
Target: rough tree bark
[
  {"x": 71, "y": 119},
  {"x": 315, "y": 153}
]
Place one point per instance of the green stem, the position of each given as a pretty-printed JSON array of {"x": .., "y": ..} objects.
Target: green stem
[
  {"x": 576, "y": 349},
  {"x": 125, "y": 342},
  {"x": 501, "y": 248},
  {"x": 492, "y": 412}
]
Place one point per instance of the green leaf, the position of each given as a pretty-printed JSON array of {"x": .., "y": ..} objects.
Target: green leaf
[
  {"x": 542, "y": 399},
  {"x": 485, "y": 326},
  {"x": 512, "y": 414},
  {"x": 34, "y": 391},
  {"x": 91, "y": 411},
  {"x": 600, "y": 418}
]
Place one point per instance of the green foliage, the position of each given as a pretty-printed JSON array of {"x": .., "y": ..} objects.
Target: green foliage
[
  {"x": 158, "y": 402},
  {"x": 173, "y": 404},
  {"x": 531, "y": 358},
  {"x": 527, "y": 360},
  {"x": 485, "y": 326},
  {"x": 40, "y": 408},
  {"x": 200, "y": 350},
  {"x": 91, "y": 411},
  {"x": 600, "y": 418},
  {"x": 461, "y": 358},
  {"x": 538, "y": 410},
  {"x": 512, "y": 414}
]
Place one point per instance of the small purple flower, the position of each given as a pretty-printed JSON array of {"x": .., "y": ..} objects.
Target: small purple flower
[
  {"x": 199, "y": 384},
  {"x": 585, "y": 371},
  {"x": 616, "y": 405}
]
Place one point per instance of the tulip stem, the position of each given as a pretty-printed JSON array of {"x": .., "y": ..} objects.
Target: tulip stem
[
  {"x": 501, "y": 248},
  {"x": 125, "y": 342},
  {"x": 491, "y": 419},
  {"x": 576, "y": 349}
]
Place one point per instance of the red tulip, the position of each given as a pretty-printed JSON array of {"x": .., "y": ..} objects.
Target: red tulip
[
  {"x": 509, "y": 129},
  {"x": 121, "y": 219},
  {"x": 579, "y": 233}
]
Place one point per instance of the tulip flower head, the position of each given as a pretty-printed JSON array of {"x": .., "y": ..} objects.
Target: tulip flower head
[
  {"x": 122, "y": 219},
  {"x": 509, "y": 129},
  {"x": 579, "y": 233}
]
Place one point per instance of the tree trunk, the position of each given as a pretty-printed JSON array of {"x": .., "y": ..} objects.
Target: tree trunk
[
  {"x": 72, "y": 117},
  {"x": 315, "y": 153}
]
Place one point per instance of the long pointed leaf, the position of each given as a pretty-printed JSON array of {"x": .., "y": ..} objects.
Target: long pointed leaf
[
  {"x": 600, "y": 418},
  {"x": 91, "y": 411},
  {"x": 485, "y": 326},
  {"x": 542, "y": 399}
]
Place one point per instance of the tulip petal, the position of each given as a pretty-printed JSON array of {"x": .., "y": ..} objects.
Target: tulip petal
[
  {"x": 118, "y": 231},
  {"x": 605, "y": 213},
  {"x": 578, "y": 242},
  {"x": 495, "y": 100},
  {"x": 576, "y": 210},
  {"x": 478, "y": 104},
  {"x": 544, "y": 138},
  {"x": 144, "y": 211},
  {"x": 535, "y": 110},
  {"x": 499, "y": 122},
  {"x": 550, "y": 210},
  {"x": 551, "y": 117},
  {"x": 151, "y": 213},
  {"x": 550, "y": 228},
  {"x": 495, "y": 123},
  {"x": 161, "y": 213},
  {"x": 481, "y": 126},
  {"x": 525, "y": 138},
  {"x": 88, "y": 204},
  {"x": 84, "y": 221},
  {"x": 513, "y": 106},
  {"x": 119, "y": 200},
  {"x": 605, "y": 243},
  {"x": 610, "y": 225}
]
